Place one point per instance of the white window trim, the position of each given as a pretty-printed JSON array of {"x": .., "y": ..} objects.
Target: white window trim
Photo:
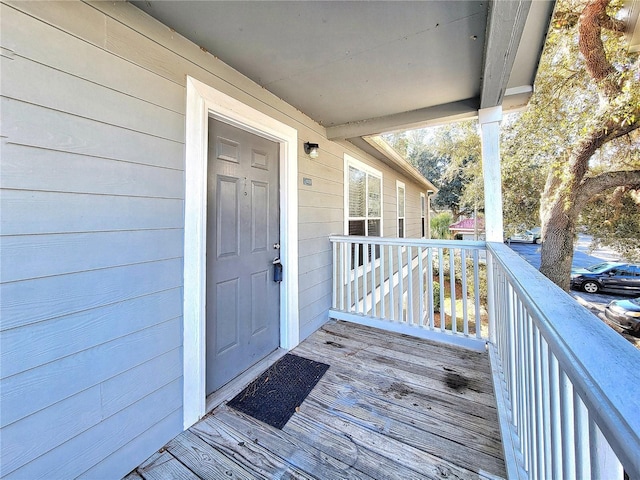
[
  {"x": 204, "y": 101},
  {"x": 351, "y": 161},
  {"x": 399, "y": 185}
]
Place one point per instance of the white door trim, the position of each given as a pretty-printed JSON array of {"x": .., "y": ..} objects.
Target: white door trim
[{"x": 203, "y": 101}]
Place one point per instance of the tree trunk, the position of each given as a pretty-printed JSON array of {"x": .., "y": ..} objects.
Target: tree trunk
[
  {"x": 558, "y": 248},
  {"x": 567, "y": 191},
  {"x": 558, "y": 231}
]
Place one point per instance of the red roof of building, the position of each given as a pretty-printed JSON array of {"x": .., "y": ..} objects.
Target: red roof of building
[{"x": 467, "y": 225}]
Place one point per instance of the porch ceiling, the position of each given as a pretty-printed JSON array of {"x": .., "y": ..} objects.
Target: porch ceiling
[{"x": 364, "y": 68}]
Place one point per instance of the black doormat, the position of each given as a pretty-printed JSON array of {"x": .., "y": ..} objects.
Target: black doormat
[{"x": 273, "y": 397}]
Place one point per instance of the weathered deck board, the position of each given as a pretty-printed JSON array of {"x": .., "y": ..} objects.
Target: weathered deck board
[
  {"x": 463, "y": 385},
  {"x": 438, "y": 352},
  {"x": 384, "y": 409},
  {"x": 381, "y": 414},
  {"x": 287, "y": 444},
  {"x": 418, "y": 402},
  {"x": 163, "y": 465}
]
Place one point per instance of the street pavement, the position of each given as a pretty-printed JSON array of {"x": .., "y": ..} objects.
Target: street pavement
[{"x": 582, "y": 257}]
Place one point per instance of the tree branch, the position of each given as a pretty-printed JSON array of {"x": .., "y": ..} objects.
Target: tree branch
[
  {"x": 590, "y": 43},
  {"x": 613, "y": 24},
  {"x": 610, "y": 130},
  {"x": 592, "y": 186}
]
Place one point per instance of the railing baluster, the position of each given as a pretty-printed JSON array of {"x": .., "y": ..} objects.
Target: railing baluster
[
  {"x": 545, "y": 404},
  {"x": 409, "y": 285},
  {"x": 604, "y": 463},
  {"x": 356, "y": 281},
  {"x": 568, "y": 432},
  {"x": 400, "y": 286},
  {"x": 452, "y": 287},
  {"x": 443, "y": 315},
  {"x": 383, "y": 282},
  {"x": 512, "y": 326},
  {"x": 350, "y": 273},
  {"x": 520, "y": 397},
  {"x": 420, "y": 288},
  {"x": 392, "y": 306},
  {"x": 365, "y": 266},
  {"x": 341, "y": 266},
  {"x": 581, "y": 425},
  {"x": 374, "y": 284},
  {"x": 476, "y": 291},
  {"x": 531, "y": 443},
  {"x": 465, "y": 313},
  {"x": 334, "y": 292},
  {"x": 524, "y": 408},
  {"x": 538, "y": 412},
  {"x": 430, "y": 288},
  {"x": 555, "y": 420}
]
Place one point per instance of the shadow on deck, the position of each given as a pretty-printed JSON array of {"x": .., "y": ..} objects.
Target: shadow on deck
[{"x": 390, "y": 406}]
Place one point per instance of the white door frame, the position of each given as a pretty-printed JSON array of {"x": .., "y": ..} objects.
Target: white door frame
[{"x": 204, "y": 101}]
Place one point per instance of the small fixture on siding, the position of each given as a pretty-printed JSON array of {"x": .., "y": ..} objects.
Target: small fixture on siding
[{"x": 311, "y": 149}]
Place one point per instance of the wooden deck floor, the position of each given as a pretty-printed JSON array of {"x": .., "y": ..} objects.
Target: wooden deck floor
[{"x": 389, "y": 407}]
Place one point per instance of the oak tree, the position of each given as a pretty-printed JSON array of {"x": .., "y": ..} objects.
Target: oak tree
[{"x": 603, "y": 116}]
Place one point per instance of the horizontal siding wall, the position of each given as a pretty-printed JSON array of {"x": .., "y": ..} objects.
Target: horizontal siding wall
[
  {"x": 322, "y": 214},
  {"x": 91, "y": 278},
  {"x": 92, "y": 237}
]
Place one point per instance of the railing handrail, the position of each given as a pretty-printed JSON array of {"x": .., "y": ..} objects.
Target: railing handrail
[
  {"x": 594, "y": 358},
  {"x": 409, "y": 242}
]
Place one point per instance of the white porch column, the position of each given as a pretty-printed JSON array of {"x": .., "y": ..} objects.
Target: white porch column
[{"x": 489, "y": 119}]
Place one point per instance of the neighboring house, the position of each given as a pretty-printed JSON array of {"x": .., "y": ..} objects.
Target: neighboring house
[
  {"x": 466, "y": 229},
  {"x": 150, "y": 190}
]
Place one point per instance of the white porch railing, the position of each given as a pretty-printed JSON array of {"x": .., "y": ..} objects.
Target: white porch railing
[
  {"x": 567, "y": 386},
  {"x": 570, "y": 384},
  {"x": 404, "y": 285}
]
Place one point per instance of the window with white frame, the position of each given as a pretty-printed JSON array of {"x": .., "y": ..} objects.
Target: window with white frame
[
  {"x": 423, "y": 215},
  {"x": 401, "y": 208},
  {"x": 363, "y": 202}
]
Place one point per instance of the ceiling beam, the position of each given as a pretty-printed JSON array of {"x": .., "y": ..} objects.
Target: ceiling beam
[
  {"x": 423, "y": 117},
  {"x": 505, "y": 25}
]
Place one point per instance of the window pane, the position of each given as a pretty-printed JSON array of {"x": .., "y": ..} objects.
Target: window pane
[
  {"x": 400, "y": 202},
  {"x": 422, "y": 205},
  {"x": 423, "y": 230},
  {"x": 374, "y": 231},
  {"x": 357, "y": 191},
  {"x": 356, "y": 227},
  {"x": 374, "y": 196},
  {"x": 374, "y": 228},
  {"x": 401, "y": 227}
]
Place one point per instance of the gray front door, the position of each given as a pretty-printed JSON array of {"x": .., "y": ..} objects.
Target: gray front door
[{"x": 243, "y": 301}]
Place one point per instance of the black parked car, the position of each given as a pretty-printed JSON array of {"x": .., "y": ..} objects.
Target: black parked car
[
  {"x": 622, "y": 277},
  {"x": 625, "y": 314}
]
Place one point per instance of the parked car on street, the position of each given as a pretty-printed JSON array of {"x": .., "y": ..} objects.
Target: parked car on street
[
  {"x": 537, "y": 234},
  {"x": 625, "y": 314},
  {"x": 527, "y": 236},
  {"x": 622, "y": 277}
]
